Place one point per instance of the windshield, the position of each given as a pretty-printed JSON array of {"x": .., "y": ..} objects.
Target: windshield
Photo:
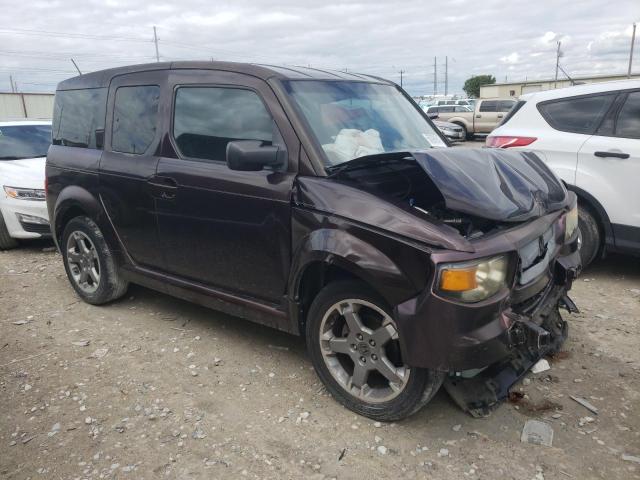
[
  {"x": 354, "y": 119},
  {"x": 24, "y": 141}
]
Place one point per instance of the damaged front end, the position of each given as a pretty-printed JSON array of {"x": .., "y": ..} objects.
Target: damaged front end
[{"x": 471, "y": 207}]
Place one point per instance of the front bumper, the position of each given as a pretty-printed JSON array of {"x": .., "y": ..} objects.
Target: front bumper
[
  {"x": 449, "y": 336},
  {"x": 454, "y": 136},
  {"x": 18, "y": 217}
]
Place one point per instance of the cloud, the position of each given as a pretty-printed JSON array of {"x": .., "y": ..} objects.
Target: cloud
[{"x": 374, "y": 36}]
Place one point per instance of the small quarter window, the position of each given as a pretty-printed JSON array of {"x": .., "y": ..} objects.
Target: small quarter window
[
  {"x": 135, "y": 116},
  {"x": 628, "y": 124},
  {"x": 206, "y": 119}
]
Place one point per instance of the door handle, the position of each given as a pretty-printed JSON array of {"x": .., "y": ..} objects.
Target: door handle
[
  {"x": 478, "y": 116},
  {"x": 162, "y": 182},
  {"x": 500, "y": 116},
  {"x": 611, "y": 154}
]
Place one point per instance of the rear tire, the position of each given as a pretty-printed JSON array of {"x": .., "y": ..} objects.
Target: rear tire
[
  {"x": 590, "y": 235},
  {"x": 6, "y": 241},
  {"x": 374, "y": 394},
  {"x": 89, "y": 263}
]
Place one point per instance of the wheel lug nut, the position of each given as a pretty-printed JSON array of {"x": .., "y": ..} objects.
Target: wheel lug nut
[
  {"x": 359, "y": 336},
  {"x": 374, "y": 357},
  {"x": 372, "y": 343},
  {"x": 363, "y": 360},
  {"x": 353, "y": 346}
]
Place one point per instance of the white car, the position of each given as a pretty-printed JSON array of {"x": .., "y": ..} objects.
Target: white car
[
  {"x": 23, "y": 210},
  {"x": 590, "y": 136}
]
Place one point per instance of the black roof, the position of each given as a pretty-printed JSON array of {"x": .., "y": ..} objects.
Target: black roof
[{"x": 102, "y": 78}]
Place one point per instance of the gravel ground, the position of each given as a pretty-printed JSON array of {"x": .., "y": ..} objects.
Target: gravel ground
[{"x": 154, "y": 387}]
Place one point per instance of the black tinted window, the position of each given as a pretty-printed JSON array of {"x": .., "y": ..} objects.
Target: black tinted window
[
  {"x": 446, "y": 109},
  {"x": 628, "y": 124},
  {"x": 24, "y": 141},
  {"x": 207, "y": 118},
  {"x": 135, "y": 115},
  {"x": 77, "y": 115},
  {"x": 505, "y": 105},
  {"x": 461, "y": 109},
  {"x": 579, "y": 115},
  {"x": 489, "y": 106}
]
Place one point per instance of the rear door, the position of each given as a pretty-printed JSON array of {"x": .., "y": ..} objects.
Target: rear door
[
  {"x": 129, "y": 161},
  {"x": 486, "y": 116},
  {"x": 226, "y": 229},
  {"x": 609, "y": 168}
]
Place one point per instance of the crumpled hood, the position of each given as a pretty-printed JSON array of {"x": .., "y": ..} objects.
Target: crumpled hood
[
  {"x": 501, "y": 185},
  {"x": 24, "y": 173}
]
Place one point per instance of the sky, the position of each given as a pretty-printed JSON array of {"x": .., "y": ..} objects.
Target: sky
[{"x": 510, "y": 39}]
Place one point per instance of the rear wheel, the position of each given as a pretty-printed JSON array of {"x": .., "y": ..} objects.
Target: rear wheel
[
  {"x": 89, "y": 262},
  {"x": 353, "y": 342},
  {"x": 589, "y": 234},
  {"x": 6, "y": 241}
]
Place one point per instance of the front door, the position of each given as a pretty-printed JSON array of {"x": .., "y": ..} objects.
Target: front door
[
  {"x": 486, "y": 116},
  {"x": 226, "y": 229},
  {"x": 609, "y": 169},
  {"x": 129, "y": 160}
]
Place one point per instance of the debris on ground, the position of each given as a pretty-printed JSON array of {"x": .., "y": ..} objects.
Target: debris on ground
[
  {"x": 537, "y": 433},
  {"x": 585, "y": 404},
  {"x": 540, "y": 366}
]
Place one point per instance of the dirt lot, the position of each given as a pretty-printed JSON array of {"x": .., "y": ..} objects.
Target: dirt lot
[{"x": 153, "y": 387}]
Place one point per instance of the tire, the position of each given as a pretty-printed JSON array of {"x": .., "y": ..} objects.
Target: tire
[
  {"x": 376, "y": 398},
  {"x": 89, "y": 263},
  {"x": 6, "y": 241},
  {"x": 590, "y": 236}
]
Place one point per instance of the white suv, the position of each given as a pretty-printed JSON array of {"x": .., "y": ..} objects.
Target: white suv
[
  {"x": 23, "y": 210},
  {"x": 590, "y": 136}
]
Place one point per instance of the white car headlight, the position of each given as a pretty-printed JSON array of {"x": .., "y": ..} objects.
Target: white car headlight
[
  {"x": 570, "y": 223},
  {"x": 473, "y": 281},
  {"x": 25, "y": 193}
]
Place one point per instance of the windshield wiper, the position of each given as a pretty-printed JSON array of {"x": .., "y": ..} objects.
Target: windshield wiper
[{"x": 367, "y": 161}]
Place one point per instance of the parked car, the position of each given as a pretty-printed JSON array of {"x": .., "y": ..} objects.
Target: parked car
[
  {"x": 481, "y": 119},
  {"x": 453, "y": 102},
  {"x": 23, "y": 211},
  {"x": 590, "y": 136},
  {"x": 453, "y": 132},
  {"x": 324, "y": 204}
]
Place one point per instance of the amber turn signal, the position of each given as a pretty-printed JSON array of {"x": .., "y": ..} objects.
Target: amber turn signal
[{"x": 458, "y": 279}]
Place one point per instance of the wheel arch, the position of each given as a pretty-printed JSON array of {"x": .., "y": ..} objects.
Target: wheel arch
[
  {"x": 330, "y": 255},
  {"x": 585, "y": 198}
]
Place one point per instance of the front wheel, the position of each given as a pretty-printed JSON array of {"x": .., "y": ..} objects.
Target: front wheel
[
  {"x": 6, "y": 241},
  {"x": 589, "y": 234},
  {"x": 89, "y": 262},
  {"x": 353, "y": 342}
]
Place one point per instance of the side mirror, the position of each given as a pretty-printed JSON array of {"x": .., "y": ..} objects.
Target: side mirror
[
  {"x": 254, "y": 155},
  {"x": 432, "y": 115}
]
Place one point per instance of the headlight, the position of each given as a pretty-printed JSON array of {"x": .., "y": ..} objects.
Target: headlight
[
  {"x": 25, "y": 193},
  {"x": 570, "y": 223},
  {"x": 473, "y": 281}
]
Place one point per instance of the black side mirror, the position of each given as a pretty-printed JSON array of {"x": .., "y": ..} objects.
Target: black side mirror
[{"x": 254, "y": 155}]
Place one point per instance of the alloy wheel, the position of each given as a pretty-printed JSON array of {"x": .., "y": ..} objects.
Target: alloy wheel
[
  {"x": 359, "y": 345},
  {"x": 83, "y": 262}
]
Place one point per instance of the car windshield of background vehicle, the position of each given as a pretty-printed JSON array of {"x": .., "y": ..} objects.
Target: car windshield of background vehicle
[
  {"x": 24, "y": 141},
  {"x": 355, "y": 119}
]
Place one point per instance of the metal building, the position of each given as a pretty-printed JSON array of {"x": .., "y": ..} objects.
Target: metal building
[{"x": 21, "y": 106}]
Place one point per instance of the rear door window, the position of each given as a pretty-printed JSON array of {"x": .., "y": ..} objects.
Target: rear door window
[
  {"x": 135, "y": 116},
  {"x": 78, "y": 117},
  {"x": 206, "y": 119},
  {"x": 489, "y": 106},
  {"x": 628, "y": 123},
  {"x": 505, "y": 105},
  {"x": 577, "y": 115}
]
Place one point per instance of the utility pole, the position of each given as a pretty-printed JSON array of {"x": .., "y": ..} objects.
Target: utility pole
[
  {"x": 435, "y": 76},
  {"x": 446, "y": 75},
  {"x": 155, "y": 40},
  {"x": 13, "y": 87},
  {"x": 401, "y": 72},
  {"x": 555, "y": 83},
  {"x": 633, "y": 40}
]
